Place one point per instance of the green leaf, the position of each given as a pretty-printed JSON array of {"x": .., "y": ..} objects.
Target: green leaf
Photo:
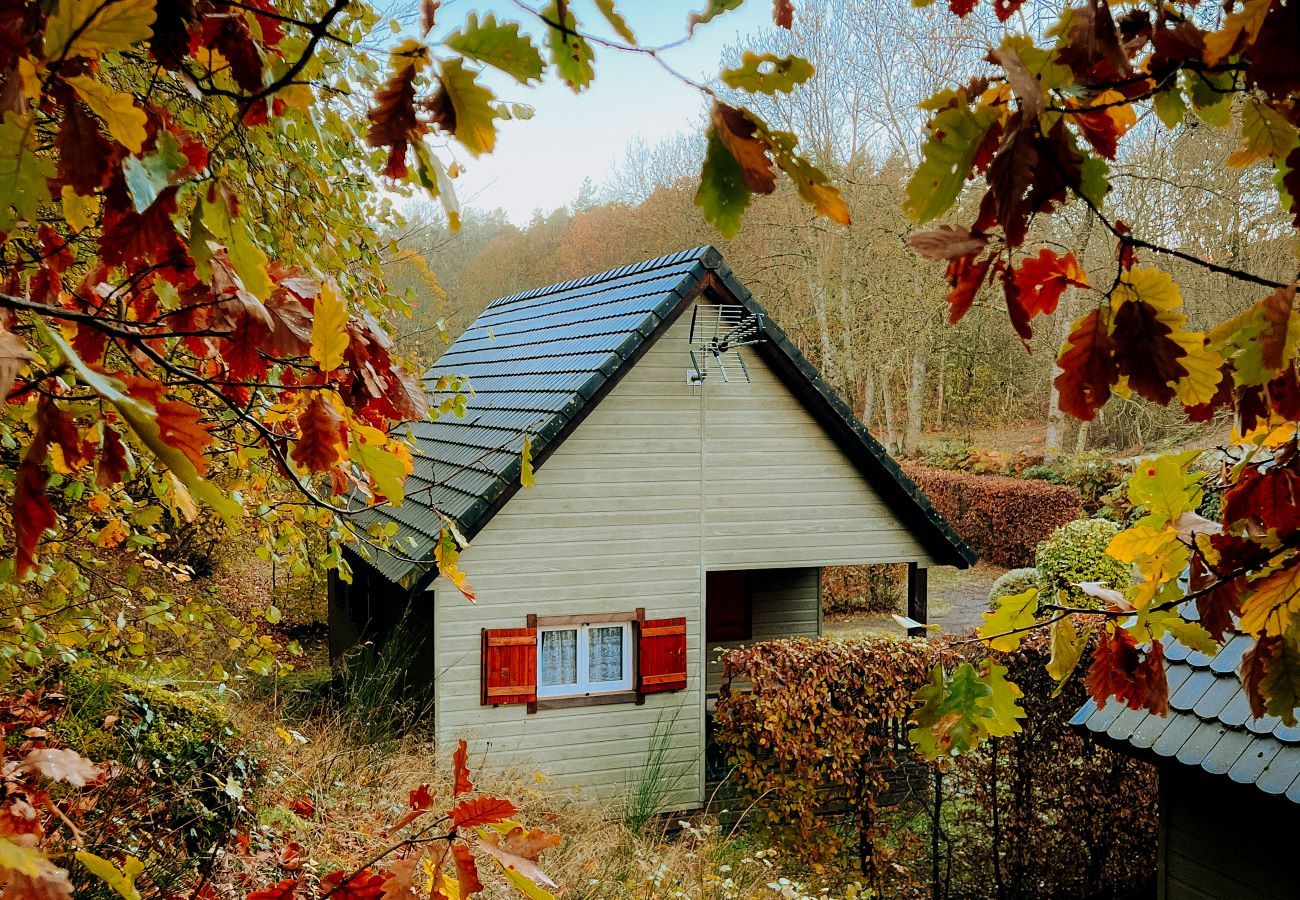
[
  {"x": 1004, "y": 628},
  {"x": 246, "y": 258},
  {"x": 954, "y": 713},
  {"x": 616, "y": 21},
  {"x": 711, "y": 12},
  {"x": 121, "y": 881},
  {"x": 384, "y": 468},
  {"x": 767, "y": 73},
  {"x": 1265, "y": 134},
  {"x": 432, "y": 175},
  {"x": 1163, "y": 487},
  {"x": 722, "y": 195},
  {"x": 22, "y": 173},
  {"x": 500, "y": 45},
  {"x": 147, "y": 177},
  {"x": 1001, "y": 701},
  {"x": 570, "y": 52},
  {"x": 1170, "y": 107},
  {"x": 1211, "y": 96},
  {"x": 1094, "y": 179},
  {"x": 955, "y": 135},
  {"x": 474, "y": 124}
]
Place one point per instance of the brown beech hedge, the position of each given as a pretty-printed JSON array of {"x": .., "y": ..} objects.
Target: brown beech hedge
[
  {"x": 1003, "y": 519},
  {"x": 1047, "y": 812}
]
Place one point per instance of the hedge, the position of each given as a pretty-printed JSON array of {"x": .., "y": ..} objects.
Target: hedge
[
  {"x": 1003, "y": 519},
  {"x": 1048, "y": 812}
]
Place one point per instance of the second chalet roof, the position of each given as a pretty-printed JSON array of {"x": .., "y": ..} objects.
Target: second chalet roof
[
  {"x": 538, "y": 361},
  {"x": 1209, "y": 722}
]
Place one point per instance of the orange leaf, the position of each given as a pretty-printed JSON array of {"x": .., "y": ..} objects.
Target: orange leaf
[
  {"x": 1121, "y": 670},
  {"x": 1043, "y": 278},
  {"x": 482, "y": 811},
  {"x": 966, "y": 276},
  {"x": 281, "y": 890},
  {"x": 1087, "y": 366},
  {"x": 737, "y": 134},
  {"x": 363, "y": 885},
  {"x": 32, "y": 511},
  {"x": 463, "y": 784},
  {"x": 320, "y": 436},
  {"x": 466, "y": 870}
]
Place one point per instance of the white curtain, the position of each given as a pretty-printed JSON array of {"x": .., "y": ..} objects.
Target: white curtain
[
  {"x": 605, "y": 656},
  {"x": 559, "y": 658}
]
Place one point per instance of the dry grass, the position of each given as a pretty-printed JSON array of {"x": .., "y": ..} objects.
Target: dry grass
[{"x": 358, "y": 789}]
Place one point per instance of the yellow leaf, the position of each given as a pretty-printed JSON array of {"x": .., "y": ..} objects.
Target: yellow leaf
[
  {"x": 28, "y": 872},
  {"x": 112, "y": 534},
  {"x": 1273, "y": 601},
  {"x": 125, "y": 121},
  {"x": 329, "y": 329},
  {"x": 122, "y": 880},
  {"x": 1243, "y": 23},
  {"x": 474, "y": 119},
  {"x": 1204, "y": 367},
  {"x": 78, "y": 211},
  {"x": 1140, "y": 540},
  {"x": 246, "y": 258},
  {"x": 385, "y": 468},
  {"x": 1153, "y": 286},
  {"x": 1265, "y": 134},
  {"x": 1067, "y": 648},
  {"x": 526, "y": 478},
  {"x": 1005, "y": 627},
  {"x": 90, "y": 27}
]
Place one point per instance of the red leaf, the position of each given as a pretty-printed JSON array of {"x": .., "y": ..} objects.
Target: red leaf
[
  {"x": 1275, "y": 64},
  {"x": 1092, "y": 48},
  {"x": 180, "y": 425},
  {"x": 962, "y": 7},
  {"x": 281, "y": 890},
  {"x": 1005, "y": 9},
  {"x": 1218, "y": 603},
  {"x": 738, "y": 134},
  {"x": 1120, "y": 670},
  {"x": 303, "y": 807},
  {"x": 113, "y": 463},
  {"x": 482, "y": 811},
  {"x": 392, "y": 120},
  {"x": 966, "y": 276},
  {"x": 463, "y": 784},
  {"x": 149, "y": 237},
  {"x": 783, "y": 14},
  {"x": 1125, "y": 253},
  {"x": 1145, "y": 353},
  {"x": 1255, "y": 665},
  {"x": 1265, "y": 496},
  {"x": 421, "y": 798},
  {"x": 229, "y": 34},
  {"x": 320, "y": 436},
  {"x": 32, "y": 511},
  {"x": 466, "y": 870},
  {"x": 363, "y": 885},
  {"x": 1042, "y": 279},
  {"x": 85, "y": 156},
  {"x": 1087, "y": 366}
]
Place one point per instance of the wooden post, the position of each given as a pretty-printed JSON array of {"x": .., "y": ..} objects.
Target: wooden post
[{"x": 918, "y": 599}]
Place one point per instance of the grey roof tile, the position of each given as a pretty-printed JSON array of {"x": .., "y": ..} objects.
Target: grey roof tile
[
  {"x": 1224, "y": 754},
  {"x": 1281, "y": 772},
  {"x": 1200, "y": 743},
  {"x": 1211, "y": 703},
  {"x": 536, "y": 360},
  {"x": 1254, "y": 760},
  {"x": 1187, "y": 696},
  {"x": 1105, "y": 715},
  {"x": 1125, "y": 723},
  {"x": 1230, "y": 656},
  {"x": 1175, "y": 734}
]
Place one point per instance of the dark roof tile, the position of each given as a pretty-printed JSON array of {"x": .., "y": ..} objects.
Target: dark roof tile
[{"x": 537, "y": 360}]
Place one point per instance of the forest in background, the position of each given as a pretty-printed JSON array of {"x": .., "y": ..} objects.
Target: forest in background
[{"x": 860, "y": 304}]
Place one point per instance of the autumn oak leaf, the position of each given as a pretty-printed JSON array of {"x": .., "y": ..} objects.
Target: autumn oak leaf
[
  {"x": 1042, "y": 279},
  {"x": 460, "y": 764},
  {"x": 481, "y": 811},
  {"x": 466, "y": 870}
]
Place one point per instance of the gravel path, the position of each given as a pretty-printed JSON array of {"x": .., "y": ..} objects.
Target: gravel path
[{"x": 958, "y": 598}]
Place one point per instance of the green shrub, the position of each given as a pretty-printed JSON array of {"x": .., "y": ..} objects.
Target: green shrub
[
  {"x": 181, "y": 772},
  {"x": 1015, "y": 581},
  {"x": 1077, "y": 552}
]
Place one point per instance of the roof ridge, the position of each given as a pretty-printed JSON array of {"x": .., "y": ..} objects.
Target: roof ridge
[{"x": 630, "y": 269}]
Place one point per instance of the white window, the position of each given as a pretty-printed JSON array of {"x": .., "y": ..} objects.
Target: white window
[{"x": 584, "y": 659}]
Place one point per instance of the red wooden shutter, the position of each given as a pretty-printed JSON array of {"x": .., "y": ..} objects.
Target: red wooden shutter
[
  {"x": 661, "y": 655},
  {"x": 509, "y": 666}
]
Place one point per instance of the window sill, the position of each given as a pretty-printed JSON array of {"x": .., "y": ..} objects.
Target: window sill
[{"x": 586, "y": 700}]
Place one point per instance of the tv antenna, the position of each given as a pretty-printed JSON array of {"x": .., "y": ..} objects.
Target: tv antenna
[{"x": 717, "y": 332}]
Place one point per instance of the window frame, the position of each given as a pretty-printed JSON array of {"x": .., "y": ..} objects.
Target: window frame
[{"x": 584, "y": 687}]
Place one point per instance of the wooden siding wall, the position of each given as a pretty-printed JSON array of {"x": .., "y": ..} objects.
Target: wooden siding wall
[
  {"x": 786, "y": 603},
  {"x": 1224, "y": 840},
  {"x": 658, "y": 484}
]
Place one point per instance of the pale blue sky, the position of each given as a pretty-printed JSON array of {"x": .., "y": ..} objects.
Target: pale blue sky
[{"x": 541, "y": 163}]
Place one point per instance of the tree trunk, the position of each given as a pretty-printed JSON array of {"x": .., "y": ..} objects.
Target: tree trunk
[
  {"x": 1081, "y": 439},
  {"x": 869, "y": 398},
  {"x": 943, "y": 379},
  {"x": 915, "y": 402},
  {"x": 1055, "y": 418},
  {"x": 887, "y": 400}
]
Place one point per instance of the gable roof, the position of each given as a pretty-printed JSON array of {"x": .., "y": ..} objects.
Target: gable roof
[
  {"x": 539, "y": 361},
  {"x": 1209, "y": 722}
]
